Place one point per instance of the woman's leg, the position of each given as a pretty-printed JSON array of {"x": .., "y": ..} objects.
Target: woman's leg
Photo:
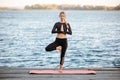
[
  {"x": 51, "y": 46},
  {"x": 61, "y": 63},
  {"x": 63, "y": 50}
]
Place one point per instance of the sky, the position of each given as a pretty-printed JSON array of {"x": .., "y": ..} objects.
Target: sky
[{"x": 22, "y": 3}]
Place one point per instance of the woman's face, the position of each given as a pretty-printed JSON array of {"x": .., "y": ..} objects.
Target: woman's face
[{"x": 62, "y": 16}]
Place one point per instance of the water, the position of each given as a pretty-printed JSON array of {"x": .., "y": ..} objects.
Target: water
[{"x": 95, "y": 42}]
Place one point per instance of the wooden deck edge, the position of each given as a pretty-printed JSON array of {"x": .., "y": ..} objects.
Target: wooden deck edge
[
  {"x": 106, "y": 69},
  {"x": 96, "y": 69}
]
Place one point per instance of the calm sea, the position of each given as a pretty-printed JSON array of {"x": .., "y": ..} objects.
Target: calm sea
[{"x": 95, "y": 42}]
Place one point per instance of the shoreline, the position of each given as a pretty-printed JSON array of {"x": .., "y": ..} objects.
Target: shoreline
[
  {"x": 55, "y": 10},
  {"x": 110, "y": 68}
]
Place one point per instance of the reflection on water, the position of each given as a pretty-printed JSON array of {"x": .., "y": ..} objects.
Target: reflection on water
[{"x": 24, "y": 35}]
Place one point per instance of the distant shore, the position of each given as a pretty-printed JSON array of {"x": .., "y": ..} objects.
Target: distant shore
[{"x": 63, "y": 7}]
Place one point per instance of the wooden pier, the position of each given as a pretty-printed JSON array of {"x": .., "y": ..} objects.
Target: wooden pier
[{"x": 22, "y": 74}]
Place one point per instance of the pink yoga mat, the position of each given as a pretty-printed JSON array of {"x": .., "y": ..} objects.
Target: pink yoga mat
[{"x": 62, "y": 72}]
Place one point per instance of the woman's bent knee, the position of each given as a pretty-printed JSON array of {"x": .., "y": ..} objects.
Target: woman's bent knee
[{"x": 47, "y": 49}]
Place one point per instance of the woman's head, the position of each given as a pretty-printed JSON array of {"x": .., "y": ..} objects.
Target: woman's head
[{"x": 62, "y": 15}]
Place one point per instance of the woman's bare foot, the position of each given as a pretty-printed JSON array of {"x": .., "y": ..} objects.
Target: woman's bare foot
[
  {"x": 59, "y": 48},
  {"x": 60, "y": 70}
]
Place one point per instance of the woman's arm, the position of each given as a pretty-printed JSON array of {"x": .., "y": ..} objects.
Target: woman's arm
[
  {"x": 54, "y": 30},
  {"x": 69, "y": 31}
]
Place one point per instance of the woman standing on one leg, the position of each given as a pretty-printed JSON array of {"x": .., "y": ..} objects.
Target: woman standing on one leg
[{"x": 61, "y": 28}]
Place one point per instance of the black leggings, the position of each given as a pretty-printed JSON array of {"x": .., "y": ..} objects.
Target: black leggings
[{"x": 56, "y": 43}]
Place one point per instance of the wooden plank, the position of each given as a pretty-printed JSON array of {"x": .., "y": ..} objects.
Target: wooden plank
[
  {"x": 18, "y": 74},
  {"x": 108, "y": 72},
  {"x": 55, "y": 76},
  {"x": 73, "y": 78}
]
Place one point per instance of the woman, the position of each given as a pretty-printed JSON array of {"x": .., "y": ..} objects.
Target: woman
[{"x": 61, "y": 28}]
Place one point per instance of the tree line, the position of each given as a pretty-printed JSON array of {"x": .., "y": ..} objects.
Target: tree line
[
  {"x": 63, "y": 7},
  {"x": 69, "y": 7}
]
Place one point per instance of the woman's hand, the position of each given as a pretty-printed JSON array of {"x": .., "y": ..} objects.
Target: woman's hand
[{"x": 66, "y": 23}]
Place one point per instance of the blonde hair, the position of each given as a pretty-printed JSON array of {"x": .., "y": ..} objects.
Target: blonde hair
[{"x": 62, "y": 13}]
